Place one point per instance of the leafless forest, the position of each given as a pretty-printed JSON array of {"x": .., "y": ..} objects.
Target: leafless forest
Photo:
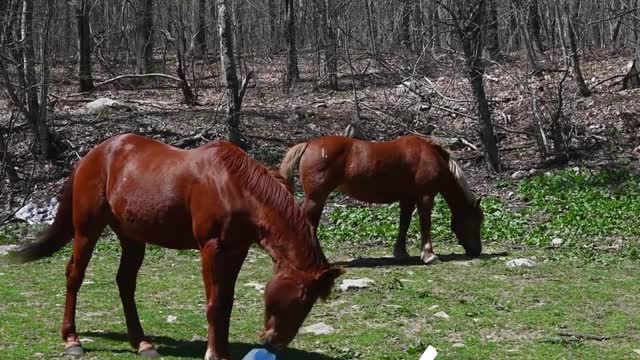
[{"x": 510, "y": 86}]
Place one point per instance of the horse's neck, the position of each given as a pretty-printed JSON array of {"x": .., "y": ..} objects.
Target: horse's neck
[
  {"x": 455, "y": 196},
  {"x": 291, "y": 247}
]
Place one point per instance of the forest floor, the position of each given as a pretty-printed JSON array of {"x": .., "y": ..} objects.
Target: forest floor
[
  {"x": 576, "y": 220},
  {"x": 604, "y": 126}
]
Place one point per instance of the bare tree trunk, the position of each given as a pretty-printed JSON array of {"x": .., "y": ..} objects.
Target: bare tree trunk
[
  {"x": 468, "y": 24},
  {"x": 330, "y": 46},
  {"x": 445, "y": 36},
  {"x": 28, "y": 53},
  {"x": 43, "y": 129},
  {"x": 293, "y": 74},
  {"x": 70, "y": 22},
  {"x": 373, "y": 35},
  {"x": 39, "y": 129},
  {"x": 227, "y": 63},
  {"x": 636, "y": 27},
  {"x": 6, "y": 165},
  {"x": 273, "y": 29},
  {"x": 198, "y": 45},
  {"x": 418, "y": 27},
  {"x": 572, "y": 50},
  {"x": 84, "y": 46},
  {"x": 435, "y": 24},
  {"x": 493, "y": 39},
  {"x": 534, "y": 26},
  {"x": 213, "y": 39},
  {"x": 404, "y": 37},
  {"x": 144, "y": 36},
  {"x": 525, "y": 32}
]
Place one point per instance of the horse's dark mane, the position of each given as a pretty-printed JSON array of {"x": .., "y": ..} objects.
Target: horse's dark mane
[{"x": 256, "y": 179}]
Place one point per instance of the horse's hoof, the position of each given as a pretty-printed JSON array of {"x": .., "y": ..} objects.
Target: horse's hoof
[
  {"x": 430, "y": 258},
  {"x": 147, "y": 350},
  {"x": 74, "y": 350},
  {"x": 150, "y": 353}
]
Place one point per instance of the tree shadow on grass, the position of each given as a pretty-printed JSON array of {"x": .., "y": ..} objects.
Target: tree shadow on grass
[
  {"x": 196, "y": 349},
  {"x": 411, "y": 261}
]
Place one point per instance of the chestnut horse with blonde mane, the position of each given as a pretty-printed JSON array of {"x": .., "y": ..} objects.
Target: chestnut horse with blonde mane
[
  {"x": 410, "y": 169},
  {"x": 214, "y": 198}
]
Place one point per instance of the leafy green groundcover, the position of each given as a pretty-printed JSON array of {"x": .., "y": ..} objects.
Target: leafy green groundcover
[{"x": 588, "y": 210}]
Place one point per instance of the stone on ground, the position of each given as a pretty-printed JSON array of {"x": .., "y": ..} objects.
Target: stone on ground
[
  {"x": 317, "y": 329},
  {"x": 514, "y": 263},
  {"x": 362, "y": 283}
]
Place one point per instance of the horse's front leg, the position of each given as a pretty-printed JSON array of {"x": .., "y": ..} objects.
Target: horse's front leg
[
  {"x": 313, "y": 206},
  {"x": 220, "y": 268},
  {"x": 130, "y": 262},
  {"x": 400, "y": 247},
  {"x": 425, "y": 206}
]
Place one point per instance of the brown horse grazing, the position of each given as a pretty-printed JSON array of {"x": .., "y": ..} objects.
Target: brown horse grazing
[
  {"x": 214, "y": 198},
  {"x": 409, "y": 169}
]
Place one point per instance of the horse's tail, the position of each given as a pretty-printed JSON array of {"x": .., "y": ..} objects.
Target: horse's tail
[
  {"x": 57, "y": 235},
  {"x": 290, "y": 160}
]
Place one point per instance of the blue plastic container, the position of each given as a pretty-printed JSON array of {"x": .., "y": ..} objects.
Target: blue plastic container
[{"x": 259, "y": 354}]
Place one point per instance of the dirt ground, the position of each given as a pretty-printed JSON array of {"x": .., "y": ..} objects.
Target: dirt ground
[{"x": 605, "y": 125}]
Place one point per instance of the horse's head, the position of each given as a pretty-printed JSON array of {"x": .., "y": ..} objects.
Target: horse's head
[
  {"x": 289, "y": 296},
  {"x": 466, "y": 225}
]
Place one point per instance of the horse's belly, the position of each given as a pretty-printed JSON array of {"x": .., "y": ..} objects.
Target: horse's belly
[
  {"x": 166, "y": 227},
  {"x": 372, "y": 193},
  {"x": 172, "y": 236}
]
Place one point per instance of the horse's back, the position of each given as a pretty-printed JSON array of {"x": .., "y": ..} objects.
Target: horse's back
[
  {"x": 379, "y": 172},
  {"x": 149, "y": 189}
]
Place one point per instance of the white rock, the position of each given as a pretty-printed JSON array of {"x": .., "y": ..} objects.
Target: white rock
[
  {"x": 4, "y": 249},
  {"x": 429, "y": 354},
  {"x": 317, "y": 329},
  {"x": 255, "y": 285},
  {"x": 518, "y": 174},
  {"x": 33, "y": 214},
  {"x": 520, "y": 263},
  {"x": 637, "y": 351},
  {"x": 172, "y": 319},
  {"x": 433, "y": 307},
  {"x": 556, "y": 242},
  {"x": 458, "y": 345},
  {"x": 442, "y": 315},
  {"x": 356, "y": 284},
  {"x": 196, "y": 337},
  {"x": 101, "y": 104},
  {"x": 25, "y": 212}
]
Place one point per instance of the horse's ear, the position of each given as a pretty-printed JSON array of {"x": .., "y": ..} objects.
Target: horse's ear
[
  {"x": 477, "y": 203},
  {"x": 326, "y": 279}
]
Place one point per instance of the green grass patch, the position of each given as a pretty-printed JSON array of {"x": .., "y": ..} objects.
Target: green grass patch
[
  {"x": 550, "y": 311},
  {"x": 494, "y": 312}
]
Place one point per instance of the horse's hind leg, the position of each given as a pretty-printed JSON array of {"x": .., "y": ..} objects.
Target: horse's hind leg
[
  {"x": 83, "y": 243},
  {"x": 130, "y": 262},
  {"x": 400, "y": 247},
  {"x": 425, "y": 205}
]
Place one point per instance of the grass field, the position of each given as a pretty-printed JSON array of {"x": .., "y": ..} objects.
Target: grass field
[{"x": 580, "y": 300}]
